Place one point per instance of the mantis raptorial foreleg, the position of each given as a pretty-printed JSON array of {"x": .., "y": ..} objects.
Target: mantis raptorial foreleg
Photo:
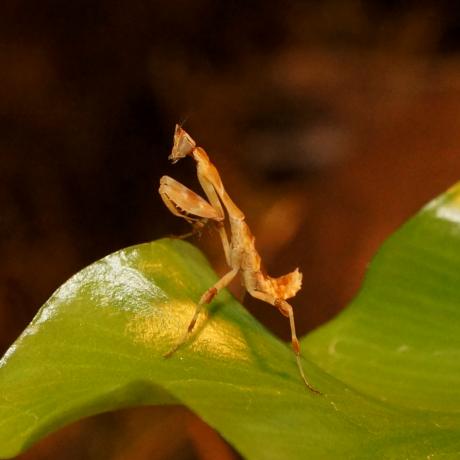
[
  {"x": 206, "y": 298},
  {"x": 188, "y": 205},
  {"x": 185, "y": 203}
]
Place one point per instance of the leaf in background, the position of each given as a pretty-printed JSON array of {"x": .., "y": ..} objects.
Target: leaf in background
[
  {"x": 389, "y": 365},
  {"x": 399, "y": 340}
]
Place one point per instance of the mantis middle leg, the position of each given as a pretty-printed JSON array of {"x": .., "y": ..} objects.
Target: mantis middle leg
[{"x": 206, "y": 298}]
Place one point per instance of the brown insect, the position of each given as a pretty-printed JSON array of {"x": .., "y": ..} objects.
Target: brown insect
[{"x": 240, "y": 252}]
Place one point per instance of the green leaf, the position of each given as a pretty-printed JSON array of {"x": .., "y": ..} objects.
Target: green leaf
[{"x": 389, "y": 365}]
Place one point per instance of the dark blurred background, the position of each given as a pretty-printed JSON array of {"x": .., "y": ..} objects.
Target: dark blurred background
[{"x": 331, "y": 122}]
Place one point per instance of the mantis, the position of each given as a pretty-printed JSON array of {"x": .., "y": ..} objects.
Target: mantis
[{"x": 240, "y": 251}]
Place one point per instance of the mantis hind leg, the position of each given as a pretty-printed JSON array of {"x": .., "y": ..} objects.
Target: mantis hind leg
[{"x": 286, "y": 309}]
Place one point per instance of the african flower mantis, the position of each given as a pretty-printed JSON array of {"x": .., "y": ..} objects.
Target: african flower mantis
[{"x": 240, "y": 252}]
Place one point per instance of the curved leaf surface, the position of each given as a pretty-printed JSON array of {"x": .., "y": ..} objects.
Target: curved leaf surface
[{"x": 388, "y": 366}]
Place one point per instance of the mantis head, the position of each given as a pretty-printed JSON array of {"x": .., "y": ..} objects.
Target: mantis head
[{"x": 183, "y": 145}]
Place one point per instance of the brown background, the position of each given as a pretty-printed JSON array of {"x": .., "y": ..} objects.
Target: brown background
[{"x": 331, "y": 122}]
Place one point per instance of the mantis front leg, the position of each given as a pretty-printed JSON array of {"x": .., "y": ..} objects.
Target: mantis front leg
[
  {"x": 185, "y": 203},
  {"x": 188, "y": 205}
]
